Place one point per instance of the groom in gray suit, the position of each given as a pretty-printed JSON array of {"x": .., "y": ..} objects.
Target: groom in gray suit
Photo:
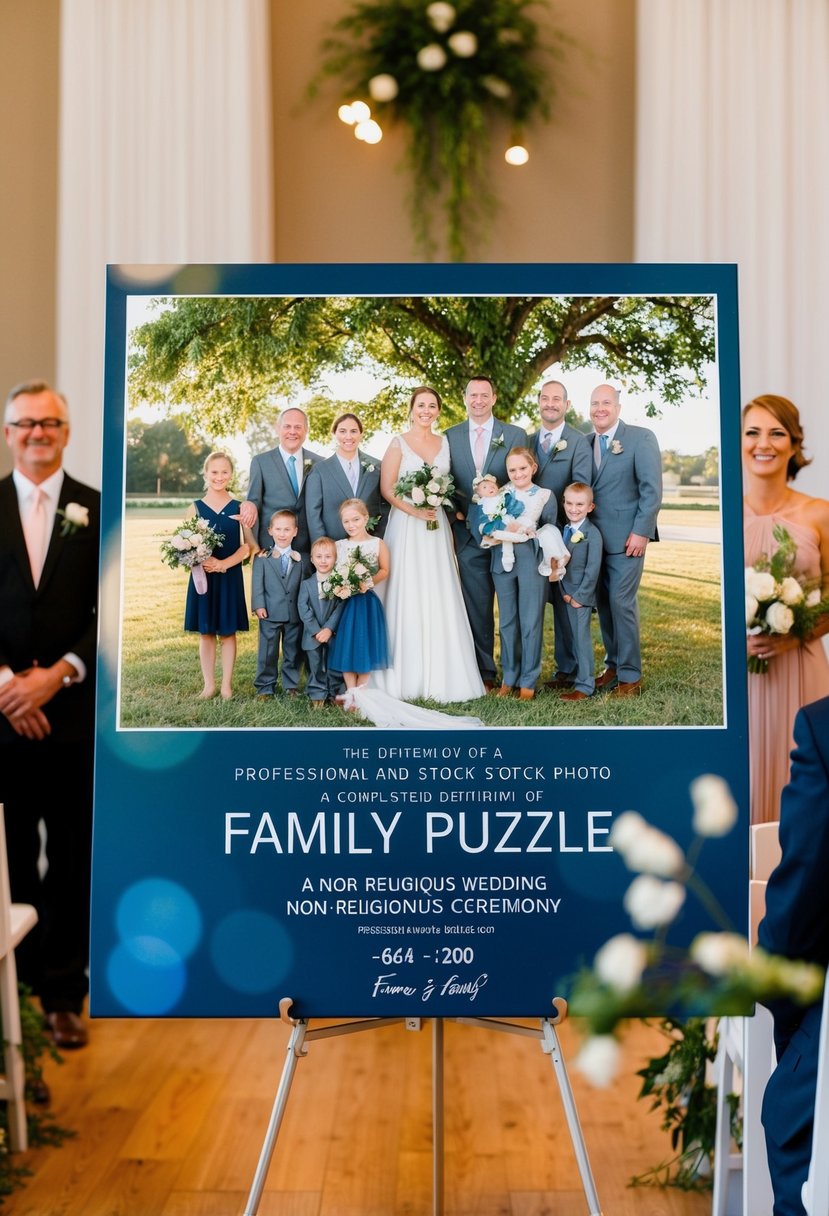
[
  {"x": 627, "y": 486},
  {"x": 480, "y": 445},
  {"x": 277, "y": 480}
]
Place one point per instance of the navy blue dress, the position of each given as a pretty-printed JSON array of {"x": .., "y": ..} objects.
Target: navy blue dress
[
  {"x": 360, "y": 643},
  {"x": 222, "y": 609}
]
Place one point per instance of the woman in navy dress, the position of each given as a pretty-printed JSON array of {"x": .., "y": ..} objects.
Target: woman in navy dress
[{"x": 221, "y": 611}]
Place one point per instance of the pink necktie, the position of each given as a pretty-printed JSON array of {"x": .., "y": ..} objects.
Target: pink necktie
[
  {"x": 478, "y": 451},
  {"x": 35, "y": 533}
]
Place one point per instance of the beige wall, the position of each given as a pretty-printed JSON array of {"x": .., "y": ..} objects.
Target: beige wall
[
  {"x": 337, "y": 200},
  {"x": 28, "y": 195}
]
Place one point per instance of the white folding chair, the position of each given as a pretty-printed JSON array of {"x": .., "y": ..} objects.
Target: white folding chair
[
  {"x": 16, "y": 920},
  {"x": 815, "y": 1193},
  {"x": 746, "y": 1046}
]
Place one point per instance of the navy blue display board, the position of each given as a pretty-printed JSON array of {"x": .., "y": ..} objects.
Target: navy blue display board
[{"x": 369, "y": 872}]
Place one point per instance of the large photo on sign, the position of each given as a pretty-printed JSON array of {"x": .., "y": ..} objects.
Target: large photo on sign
[{"x": 415, "y": 581}]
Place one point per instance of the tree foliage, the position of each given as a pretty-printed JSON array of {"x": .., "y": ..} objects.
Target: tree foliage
[
  {"x": 162, "y": 456},
  {"x": 234, "y": 361}
]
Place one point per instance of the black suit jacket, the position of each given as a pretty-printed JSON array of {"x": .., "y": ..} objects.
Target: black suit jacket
[{"x": 38, "y": 625}]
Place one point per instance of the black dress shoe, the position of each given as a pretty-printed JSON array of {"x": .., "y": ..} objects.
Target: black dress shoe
[
  {"x": 559, "y": 681},
  {"x": 67, "y": 1029}
]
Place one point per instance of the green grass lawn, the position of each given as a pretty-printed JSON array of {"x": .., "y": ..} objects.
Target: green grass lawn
[{"x": 680, "y": 606}]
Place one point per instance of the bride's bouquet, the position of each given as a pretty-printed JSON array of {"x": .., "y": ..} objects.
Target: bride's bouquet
[
  {"x": 426, "y": 489},
  {"x": 776, "y": 601},
  {"x": 349, "y": 577},
  {"x": 188, "y": 546}
]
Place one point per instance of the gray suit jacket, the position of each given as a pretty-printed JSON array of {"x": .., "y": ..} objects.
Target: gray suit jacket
[
  {"x": 316, "y": 613},
  {"x": 276, "y": 592},
  {"x": 504, "y": 437},
  {"x": 627, "y": 488},
  {"x": 327, "y": 487},
  {"x": 581, "y": 574},
  {"x": 557, "y": 469},
  {"x": 270, "y": 490}
]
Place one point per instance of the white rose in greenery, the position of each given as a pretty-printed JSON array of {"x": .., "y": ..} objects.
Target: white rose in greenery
[
  {"x": 751, "y": 609},
  {"x": 180, "y": 542},
  {"x": 791, "y": 592},
  {"x": 432, "y": 487},
  {"x": 431, "y": 58},
  {"x": 644, "y": 848},
  {"x": 496, "y": 86},
  {"x": 433, "y": 500},
  {"x": 715, "y": 811},
  {"x": 760, "y": 584},
  {"x": 598, "y": 1060},
  {"x": 621, "y": 961},
  {"x": 813, "y": 598},
  {"x": 418, "y": 497},
  {"x": 651, "y": 903},
  {"x": 464, "y": 44},
  {"x": 383, "y": 87},
  {"x": 441, "y": 16},
  {"x": 719, "y": 953},
  {"x": 77, "y": 515},
  {"x": 779, "y": 618}
]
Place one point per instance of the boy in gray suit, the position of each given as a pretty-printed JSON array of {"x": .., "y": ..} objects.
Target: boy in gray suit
[
  {"x": 275, "y": 593},
  {"x": 320, "y": 617},
  {"x": 577, "y": 588}
]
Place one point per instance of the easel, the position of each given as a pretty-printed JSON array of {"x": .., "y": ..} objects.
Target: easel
[{"x": 546, "y": 1034}]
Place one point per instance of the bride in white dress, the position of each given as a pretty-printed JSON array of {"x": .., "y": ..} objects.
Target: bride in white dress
[{"x": 431, "y": 651}]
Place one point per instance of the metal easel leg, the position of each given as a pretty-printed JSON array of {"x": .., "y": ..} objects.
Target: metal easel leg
[
  {"x": 437, "y": 1117},
  {"x": 550, "y": 1045}
]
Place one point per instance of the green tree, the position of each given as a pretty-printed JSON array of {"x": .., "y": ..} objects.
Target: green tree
[
  {"x": 235, "y": 360},
  {"x": 162, "y": 459}
]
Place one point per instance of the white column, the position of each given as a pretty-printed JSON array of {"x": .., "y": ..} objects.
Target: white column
[
  {"x": 165, "y": 157},
  {"x": 733, "y": 166}
]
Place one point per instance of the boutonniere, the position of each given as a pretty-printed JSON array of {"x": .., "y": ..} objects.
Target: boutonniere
[
  {"x": 616, "y": 447},
  {"x": 75, "y": 517},
  {"x": 560, "y": 446},
  {"x": 367, "y": 466},
  {"x": 294, "y": 556},
  {"x": 576, "y": 537},
  {"x": 497, "y": 441},
  {"x": 307, "y": 465}
]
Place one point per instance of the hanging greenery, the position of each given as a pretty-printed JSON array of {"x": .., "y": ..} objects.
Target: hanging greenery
[{"x": 445, "y": 71}]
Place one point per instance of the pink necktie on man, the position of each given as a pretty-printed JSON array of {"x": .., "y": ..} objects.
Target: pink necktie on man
[
  {"x": 478, "y": 450},
  {"x": 36, "y": 535}
]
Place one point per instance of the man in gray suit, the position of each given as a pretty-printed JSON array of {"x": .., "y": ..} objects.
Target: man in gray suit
[
  {"x": 277, "y": 480},
  {"x": 627, "y": 485},
  {"x": 478, "y": 446},
  {"x": 564, "y": 456}
]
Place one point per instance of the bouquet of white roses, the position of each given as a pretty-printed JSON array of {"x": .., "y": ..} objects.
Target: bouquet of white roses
[
  {"x": 188, "y": 546},
  {"x": 776, "y": 601},
  {"x": 349, "y": 577},
  {"x": 426, "y": 489}
]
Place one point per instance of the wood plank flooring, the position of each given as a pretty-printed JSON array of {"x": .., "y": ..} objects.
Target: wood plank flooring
[{"x": 170, "y": 1117}]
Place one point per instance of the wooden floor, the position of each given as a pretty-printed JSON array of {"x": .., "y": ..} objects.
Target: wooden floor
[{"x": 170, "y": 1117}]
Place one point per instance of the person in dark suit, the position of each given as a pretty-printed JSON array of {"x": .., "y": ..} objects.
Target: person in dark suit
[
  {"x": 627, "y": 489},
  {"x": 564, "y": 455},
  {"x": 278, "y": 480},
  {"x": 796, "y": 925},
  {"x": 349, "y": 473},
  {"x": 476, "y": 447},
  {"x": 49, "y": 537}
]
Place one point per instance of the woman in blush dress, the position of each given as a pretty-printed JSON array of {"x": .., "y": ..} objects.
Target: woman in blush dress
[
  {"x": 432, "y": 653},
  {"x": 798, "y": 671}
]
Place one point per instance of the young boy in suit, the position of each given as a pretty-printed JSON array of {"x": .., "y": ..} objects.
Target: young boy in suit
[
  {"x": 578, "y": 586},
  {"x": 275, "y": 593},
  {"x": 319, "y": 617}
]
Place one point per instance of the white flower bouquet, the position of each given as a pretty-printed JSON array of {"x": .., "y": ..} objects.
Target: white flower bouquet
[
  {"x": 776, "y": 601},
  {"x": 350, "y": 577},
  {"x": 426, "y": 489},
  {"x": 189, "y": 546}
]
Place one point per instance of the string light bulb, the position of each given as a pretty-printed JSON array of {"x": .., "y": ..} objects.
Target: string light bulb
[
  {"x": 361, "y": 111},
  {"x": 346, "y": 114},
  {"x": 369, "y": 131},
  {"x": 516, "y": 154}
]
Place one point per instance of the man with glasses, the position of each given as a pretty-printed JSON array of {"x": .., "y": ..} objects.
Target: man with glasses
[{"x": 49, "y": 535}]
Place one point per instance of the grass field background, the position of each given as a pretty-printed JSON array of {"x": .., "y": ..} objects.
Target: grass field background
[{"x": 681, "y": 616}]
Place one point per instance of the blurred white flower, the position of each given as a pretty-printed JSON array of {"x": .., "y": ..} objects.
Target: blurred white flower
[
  {"x": 751, "y": 608},
  {"x": 644, "y": 848},
  {"x": 779, "y": 618},
  {"x": 813, "y": 598},
  {"x": 441, "y": 16},
  {"x": 598, "y": 1060},
  {"x": 719, "y": 953},
  {"x": 715, "y": 811},
  {"x": 418, "y": 497},
  {"x": 431, "y": 58},
  {"x": 621, "y": 961},
  {"x": 791, "y": 591},
  {"x": 464, "y": 44},
  {"x": 76, "y": 514},
  {"x": 650, "y": 903},
  {"x": 383, "y": 87},
  {"x": 496, "y": 86},
  {"x": 760, "y": 584}
]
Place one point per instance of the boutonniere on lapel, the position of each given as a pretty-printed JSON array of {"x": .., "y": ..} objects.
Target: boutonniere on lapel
[
  {"x": 307, "y": 465},
  {"x": 576, "y": 536},
  {"x": 497, "y": 441},
  {"x": 616, "y": 447},
  {"x": 560, "y": 446},
  {"x": 75, "y": 517},
  {"x": 367, "y": 466},
  {"x": 294, "y": 556}
]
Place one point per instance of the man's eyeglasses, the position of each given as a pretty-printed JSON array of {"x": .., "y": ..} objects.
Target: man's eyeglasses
[{"x": 45, "y": 424}]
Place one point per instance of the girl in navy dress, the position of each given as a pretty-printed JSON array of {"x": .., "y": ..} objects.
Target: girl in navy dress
[
  {"x": 221, "y": 611},
  {"x": 360, "y": 644}
]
